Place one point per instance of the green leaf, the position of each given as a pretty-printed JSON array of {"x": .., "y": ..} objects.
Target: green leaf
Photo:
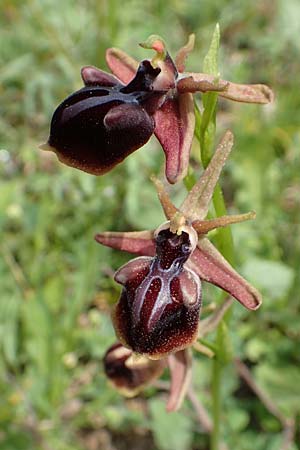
[
  {"x": 171, "y": 430},
  {"x": 198, "y": 120},
  {"x": 211, "y": 67},
  {"x": 210, "y": 63}
]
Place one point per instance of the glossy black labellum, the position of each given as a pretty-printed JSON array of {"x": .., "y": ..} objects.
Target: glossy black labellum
[
  {"x": 158, "y": 311},
  {"x": 96, "y": 127}
]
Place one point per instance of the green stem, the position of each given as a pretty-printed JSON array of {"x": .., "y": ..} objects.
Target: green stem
[
  {"x": 216, "y": 403},
  {"x": 224, "y": 237},
  {"x": 205, "y": 132},
  {"x": 206, "y": 137}
]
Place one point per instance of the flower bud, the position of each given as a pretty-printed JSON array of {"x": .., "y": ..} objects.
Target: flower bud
[{"x": 130, "y": 373}]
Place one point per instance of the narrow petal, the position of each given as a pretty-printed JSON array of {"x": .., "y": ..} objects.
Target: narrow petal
[
  {"x": 208, "y": 263},
  {"x": 204, "y": 226},
  {"x": 183, "y": 53},
  {"x": 137, "y": 242},
  {"x": 92, "y": 76},
  {"x": 246, "y": 93},
  {"x": 188, "y": 84},
  {"x": 174, "y": 128},
  {"x": 196, "y": 205},
  {"x": 122, "y": 65},
  {"x": 180, "y": 365},
  {"x": 169, "y": 209}
]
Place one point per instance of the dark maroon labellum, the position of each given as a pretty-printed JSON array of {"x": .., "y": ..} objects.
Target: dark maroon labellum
[
  {"x": 158, "y": 311},
  {"x": 96, "y": 127}
]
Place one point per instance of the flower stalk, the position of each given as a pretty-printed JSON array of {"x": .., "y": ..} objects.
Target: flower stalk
[{"x": 206, "y": 137}]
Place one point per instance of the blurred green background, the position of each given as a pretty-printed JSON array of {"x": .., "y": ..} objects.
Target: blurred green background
[{"x": 55, "y": 280}]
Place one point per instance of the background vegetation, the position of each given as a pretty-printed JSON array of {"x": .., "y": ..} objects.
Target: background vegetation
[{"x": 56, "y": 286}]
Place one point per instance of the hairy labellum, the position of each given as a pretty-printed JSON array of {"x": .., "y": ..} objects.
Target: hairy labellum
[
  {"x": 158, "y": 311},
  {"x": 96, "y": 127}
]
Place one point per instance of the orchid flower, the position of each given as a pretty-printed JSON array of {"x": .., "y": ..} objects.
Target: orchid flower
[
  {"x": 158, "y": 311},
  {"x": 98, "y": 126},
  {"x": 157, "y": 316}
]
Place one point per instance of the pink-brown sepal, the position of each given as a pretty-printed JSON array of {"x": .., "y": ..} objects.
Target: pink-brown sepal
[
  {"x": 208, "y": 263},
  {"x": 136, "y": 242},
  {"x": 180, "y": 365},
  {"x": 174, "y": 128},
  {"x": 123, "y": 66}
]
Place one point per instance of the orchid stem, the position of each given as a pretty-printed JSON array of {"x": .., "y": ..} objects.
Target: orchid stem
[
  {"x": 205, "y": 132},
  {"x": 206, "y": 136},
  {"x": 216, "y": 402},
  {"x": 225, "y": 240}
]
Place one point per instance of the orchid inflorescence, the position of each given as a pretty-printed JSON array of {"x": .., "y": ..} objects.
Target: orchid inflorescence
[{"x": 157, "y": 316}]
